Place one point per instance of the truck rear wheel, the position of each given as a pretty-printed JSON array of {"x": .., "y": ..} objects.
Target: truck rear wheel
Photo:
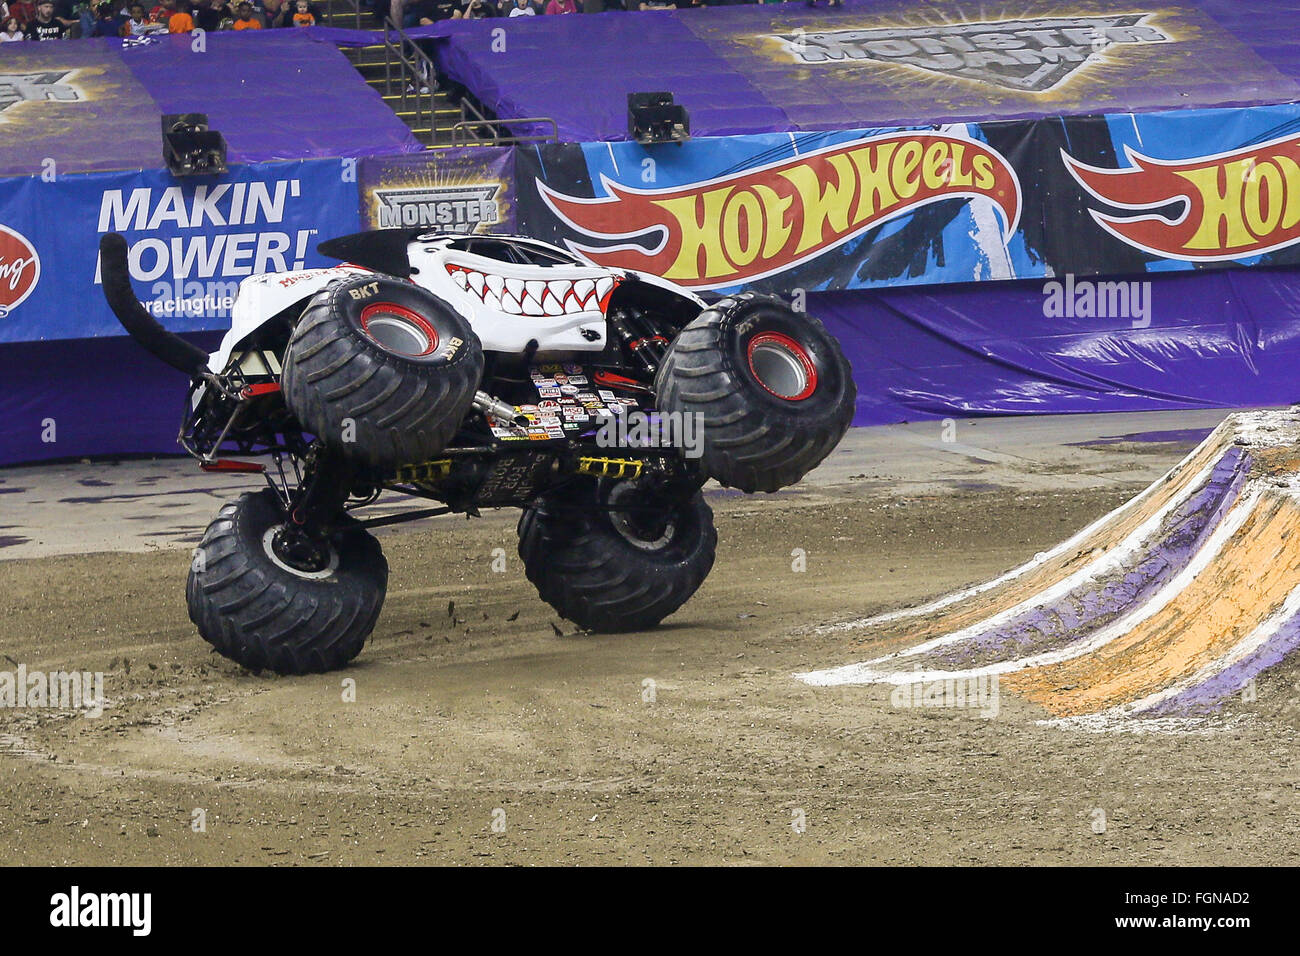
[{"x": 612, "y": 557}]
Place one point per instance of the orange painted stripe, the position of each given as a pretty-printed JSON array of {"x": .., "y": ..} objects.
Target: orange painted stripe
[{"x": 1237, "y": 591}]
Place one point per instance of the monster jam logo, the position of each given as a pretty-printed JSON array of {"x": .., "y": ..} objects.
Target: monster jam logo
[
  {"x": 18, "y": 88},
  {"x": 20, "y": 269},
  {"x": 1219, "y": 207},
  {"x": 452, "y": 208},
  {"x": 1028, "y": 55},
  {"x": 766, "y": 220}
]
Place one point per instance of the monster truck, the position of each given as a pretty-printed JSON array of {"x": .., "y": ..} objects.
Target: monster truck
[{"x": 478, "y": 371}]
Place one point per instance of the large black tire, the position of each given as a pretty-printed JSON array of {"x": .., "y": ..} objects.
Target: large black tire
[
  {"x": 773, "y": 387},
  {"x": 382, "y": 371},
  {"x": 614, "y": 571},
  {"x": 258, "y": 611}
]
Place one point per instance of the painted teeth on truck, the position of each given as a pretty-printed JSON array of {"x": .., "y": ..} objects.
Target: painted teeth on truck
[{"x": 534, "y": 297}]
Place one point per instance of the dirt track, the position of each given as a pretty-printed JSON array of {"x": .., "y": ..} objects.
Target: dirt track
[{"x": 461, "y": 711}]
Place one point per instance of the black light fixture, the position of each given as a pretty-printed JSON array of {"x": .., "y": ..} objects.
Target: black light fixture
[
  {"x": 655, "y": 118},
  {"x": 190, "y": 148}
]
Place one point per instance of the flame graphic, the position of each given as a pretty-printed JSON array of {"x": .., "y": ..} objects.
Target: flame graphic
[{"x": 1234, "y": 204}]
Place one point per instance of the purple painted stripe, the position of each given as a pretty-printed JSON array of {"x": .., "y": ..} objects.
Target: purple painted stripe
[
  {"x": 1209, "y": 695},
  {"x": 1094, "y": 604}
]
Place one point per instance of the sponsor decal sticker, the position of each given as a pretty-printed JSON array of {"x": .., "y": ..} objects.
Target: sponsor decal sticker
[{"x": 764, "y": 221}]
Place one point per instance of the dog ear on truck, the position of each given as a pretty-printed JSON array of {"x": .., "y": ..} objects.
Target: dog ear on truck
[{"x": 115, "y": 274}]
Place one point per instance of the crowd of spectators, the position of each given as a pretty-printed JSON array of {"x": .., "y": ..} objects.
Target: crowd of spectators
[
  {"x": 415, "y": 13},
  {"x": 59, "y": 19},
  {"x": 37, "y": 20}
]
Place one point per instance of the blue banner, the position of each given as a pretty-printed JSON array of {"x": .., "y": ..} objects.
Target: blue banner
[
  {"x": 192, "y": 240},
  {"x": 965, "y": 202}
]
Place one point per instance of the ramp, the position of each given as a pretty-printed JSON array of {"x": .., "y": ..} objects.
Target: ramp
[{"x": 1161, "y": 609}]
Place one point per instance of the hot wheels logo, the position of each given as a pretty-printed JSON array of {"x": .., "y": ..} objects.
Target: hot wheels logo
[
  {"x": 20, "y": 269},
  {"x": 769, "y": 219},
  {"x": 1229, "y": 205}
]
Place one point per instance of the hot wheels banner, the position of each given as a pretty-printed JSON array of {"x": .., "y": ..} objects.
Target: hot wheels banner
[
  {"x": 191, "y": 240},
  {"x": 1088, "y": 195}
]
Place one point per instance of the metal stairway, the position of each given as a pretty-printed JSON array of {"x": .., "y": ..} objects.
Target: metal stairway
[{"x": 400, "y": 72}]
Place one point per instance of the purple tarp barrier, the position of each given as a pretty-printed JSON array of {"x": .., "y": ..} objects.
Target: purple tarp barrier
[
  {"x": 77, "y": 106},
  {"x": 274, "y": 94},
  {"x": 1207, "y": 340},
  {"x": 95, "y": 105},
  {"x": 747, "y": 69},
  {"x": 106, "y": 396},
  {"x": 1214, "y": 340}
]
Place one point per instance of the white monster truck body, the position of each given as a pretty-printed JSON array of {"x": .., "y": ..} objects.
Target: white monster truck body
[
  {"x": 479, "y": 372},
  {"x": 512, "y": 290}
]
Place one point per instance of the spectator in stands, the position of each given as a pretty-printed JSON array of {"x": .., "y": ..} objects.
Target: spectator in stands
[
  {"x": 279, "y": 13},
  {"x": 245, "y": 19},
  {"x": 85, "y": 20},
  {"x": 139, "y": 25},
  {"x": 276, "y": 13},
  {"x": 108, "y": 21},
  {"x": 522, "y": 8},
  {"x": 302, "y": 15},
  {"x": 66, "y": 12},
  {"x": 45, "y": 26},
  {"x": 422, "y": 13},
  {"x": 208, "y": 14},
  {"x": 12, "y": 31},
  {"x": 561, "y": 6},
  {"x": 182, "y": 21},
  {"x": 162, "y": 11},
  {"x": 23, "y": 10},
  {"x": 477, "y": 10}
]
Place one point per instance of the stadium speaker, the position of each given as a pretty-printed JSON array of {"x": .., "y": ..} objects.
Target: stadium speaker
[
  {"x": 655, "y": 118},
  {"x": 190, "y": 148}
]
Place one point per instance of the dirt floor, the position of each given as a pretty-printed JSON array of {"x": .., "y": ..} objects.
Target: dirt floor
[{"x": 485, "y": 730}]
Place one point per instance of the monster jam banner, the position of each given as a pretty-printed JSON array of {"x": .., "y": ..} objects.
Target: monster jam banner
[
  {"x": 1088, "y": 195},
  {"x": 191, "y": 240},
  {"x": 450, "y": 190},
  {"x": 791, "y": 67}
]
